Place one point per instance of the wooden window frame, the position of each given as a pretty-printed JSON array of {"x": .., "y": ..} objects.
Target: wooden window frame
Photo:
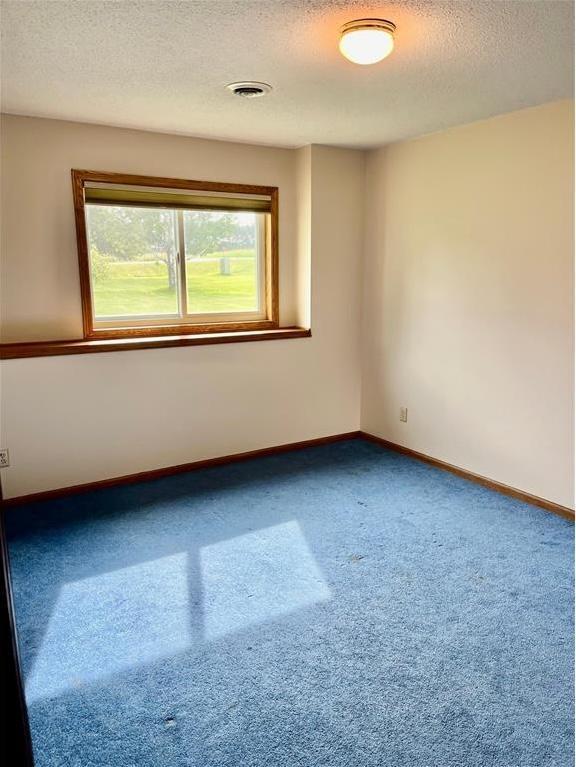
[{"x": 156, "y": 328}]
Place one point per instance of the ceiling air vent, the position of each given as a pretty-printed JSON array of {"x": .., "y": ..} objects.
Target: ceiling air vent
[{"x": 249, "y": 90}]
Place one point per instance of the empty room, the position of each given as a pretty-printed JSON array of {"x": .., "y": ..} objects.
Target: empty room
[{"x": 287, "y": 383}]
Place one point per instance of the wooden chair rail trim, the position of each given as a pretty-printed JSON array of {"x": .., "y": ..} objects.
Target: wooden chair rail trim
[{"x": 81, "y": 346}]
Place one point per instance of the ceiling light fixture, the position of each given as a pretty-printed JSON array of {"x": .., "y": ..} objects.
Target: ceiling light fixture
[
  {"x": 249, "y": 89},
  {"x": 367, "y": 41}
]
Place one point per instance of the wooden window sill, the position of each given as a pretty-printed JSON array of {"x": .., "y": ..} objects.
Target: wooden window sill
[{"x": 53, "y": 348}]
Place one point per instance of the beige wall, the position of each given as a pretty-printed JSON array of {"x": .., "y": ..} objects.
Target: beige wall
[
  {"x": 463, "y": 242},
  {"x": 38, "y": 234},
  {"x": 69, "y": 420},
  {"x": 468, "y": 298}
]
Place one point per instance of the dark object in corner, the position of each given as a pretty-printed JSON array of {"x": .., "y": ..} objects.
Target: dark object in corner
[{"x": 15, "y": 729}]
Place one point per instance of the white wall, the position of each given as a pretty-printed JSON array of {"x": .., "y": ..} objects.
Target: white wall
[
  {"x": 69, "y": 420},
  {"x": 468, "y": 298}
]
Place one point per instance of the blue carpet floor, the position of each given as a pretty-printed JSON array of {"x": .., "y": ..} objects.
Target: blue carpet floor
[{"x": 339, "y": 606}]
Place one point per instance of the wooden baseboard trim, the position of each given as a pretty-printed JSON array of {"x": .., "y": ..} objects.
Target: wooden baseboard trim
[
  {"x": 144, "y": 476},
  {"x": 182, "y": 468},
  {"x": 556, "y": 508}
]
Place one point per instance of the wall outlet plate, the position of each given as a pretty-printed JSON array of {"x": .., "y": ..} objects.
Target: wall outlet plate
[
  {"x": 404, "y": 414},
  {"x": 4, "y": 458}
]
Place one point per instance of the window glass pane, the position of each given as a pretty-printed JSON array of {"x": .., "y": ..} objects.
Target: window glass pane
[
  {"x": 132, "y": 260},
  {"x": 221, "y": 261}
]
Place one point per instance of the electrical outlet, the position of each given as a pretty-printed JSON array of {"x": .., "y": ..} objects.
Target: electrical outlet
[
  {"x": 404, "y": 414},
  {"x": 4, "y": 458}
]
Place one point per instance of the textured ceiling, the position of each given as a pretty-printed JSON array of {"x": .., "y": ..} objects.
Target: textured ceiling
[{"x": 163, "y": 66}]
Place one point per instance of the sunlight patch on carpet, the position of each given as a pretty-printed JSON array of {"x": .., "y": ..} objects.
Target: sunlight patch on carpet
[
  {"x": 257, "y": 577},
  {"x": 113, "y": 621}
]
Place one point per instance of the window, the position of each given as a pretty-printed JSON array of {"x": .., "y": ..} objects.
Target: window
[{"x": 162, "y": 256}]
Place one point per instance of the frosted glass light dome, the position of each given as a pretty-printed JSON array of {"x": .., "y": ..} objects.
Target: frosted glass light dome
[{"x": 367, "y": 41}]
